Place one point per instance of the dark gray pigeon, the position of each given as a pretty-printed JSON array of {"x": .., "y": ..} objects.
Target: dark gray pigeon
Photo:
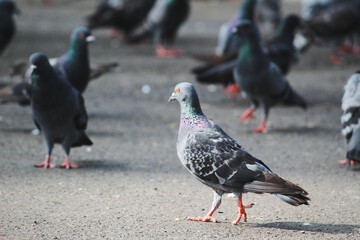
[
  {"x": 7, "y": 24},
  {"x": 58, "y": 110},
  {"x": 163, "y": 23},
  {"x": 350, "y": 119},
  {"x": 219, "y": 162},
  {"x": 260, "y": 80}
]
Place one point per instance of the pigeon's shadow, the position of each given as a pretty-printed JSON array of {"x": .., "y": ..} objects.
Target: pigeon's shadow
[
  {"x": 312, "y": 227},
  {"x": 113, "y": 165}
]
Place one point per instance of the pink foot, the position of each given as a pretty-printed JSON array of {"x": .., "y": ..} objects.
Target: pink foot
[
  {"x": 261, "y": 128},
  {"x": 233, "y": 89},
  {"x": 203, "y": 219},
  {"x": 352, "y": 162},
  {"x": 241, "y": 209},
  {"x": 248, "y": 114},
  {"x": 336, "y": 59},
  {"x": 163, "y": 53},
  {"x": 45, "y": 164},
  {"x": 67, "y": 164}
]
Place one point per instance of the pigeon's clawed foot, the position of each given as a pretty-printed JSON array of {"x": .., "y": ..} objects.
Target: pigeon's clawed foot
[
  {"x": 46, "y": 163},
  {"x": 163, "y": 53},
  {"x": 350, "y": 162},
  {"x": 67, "y": 164},
  {"x": 335, "y": 59},
  {"x": 241, "y": 209},
  {"x": 349, "y": 48},
  {"x": 207, "y": 218},
  {"x": 261, "y": 128},
  {"x": 115, "y": 34},
  {"x": 248, "y": 114},
  {"x": 233, "y": 89}
]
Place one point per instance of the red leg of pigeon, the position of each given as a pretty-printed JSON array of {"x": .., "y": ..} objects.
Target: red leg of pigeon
[
  {"x": 336, "y": 59},
  {"x": 174, "y": 52},
  {"x": 215, "y": 205},
  {"x": 208, "y": 216},
  {"x": 248, "y": 114},
  {"x": 261, "y": 128},
  {"x": 46, "y": 163},
  {"x": 241, "y": 209},
  {"x": 351, "y": 162},
  {"x": 161, "y": 51},
  {"x": 233, "y": 89},
  {"x": 67, "y": 164},
  {"x": 115, "y": 34},
  {"x": 349, "y": 48}
]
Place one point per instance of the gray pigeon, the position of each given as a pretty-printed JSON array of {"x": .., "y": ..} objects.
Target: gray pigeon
[
  {"x": 58, "y": 110},
  {"x": 219, "y": 162},
  {"x": 260, "y": 80},
  {"x": 350, "y": 119},
  {"x": 7, "y": 24}
]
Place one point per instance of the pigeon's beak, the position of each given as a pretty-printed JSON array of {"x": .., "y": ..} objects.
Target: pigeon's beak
[
  {"x": 172, "y": 97},
  {"x": 90, "y": 39},
  {"x": 32, "y": 67},
  {"x": 234, "y": 30}
]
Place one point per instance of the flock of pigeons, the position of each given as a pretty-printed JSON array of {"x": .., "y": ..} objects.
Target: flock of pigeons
[{"x": 244, "y": 63}]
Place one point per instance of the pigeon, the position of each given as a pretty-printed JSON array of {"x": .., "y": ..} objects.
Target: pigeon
[
  {"x": 350, "y": 119},
  {"x": 219, "y": 162},
  {"x": 268, "y": 17},
  {"x": 7, "y": 24},
  {"x": 260, "y": 80},
  {"x": 335, "y": 24},
  {"x": 58, "y": 110},
  {"x": 280, "y": 49},
  {"x": 163, "y": 23},
  {"x": 123, "y": 15},
  {"x": 74, "y": 66}
]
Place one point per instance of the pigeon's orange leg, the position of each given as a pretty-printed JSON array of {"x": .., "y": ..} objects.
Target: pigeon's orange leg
[
  {"x": 163, "y": 53},
  {"x": 215, "y": 205},
  {"x": 346, "y": 161},
  {"x": 336, "y": 59},
  {"x": 261, "y": 128},
  {"x": 248, "y": 114},
  {"x": 241, "y": 209},
  {"x": 67, "y": 164},
  {"x": 208, "y": 216},
  {"x": 233, "y": 89},
  {"x": 46, "y": 163}
]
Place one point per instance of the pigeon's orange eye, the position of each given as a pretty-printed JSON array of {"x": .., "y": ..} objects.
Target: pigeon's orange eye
[
  {"x": 177, "y": 90},
  {"x": 81, "y": 35}
]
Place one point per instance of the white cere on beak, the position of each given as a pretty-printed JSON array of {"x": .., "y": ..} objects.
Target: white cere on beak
[
  {"x": 32, "y": 67},
  {"x": 90, "y": 38}
]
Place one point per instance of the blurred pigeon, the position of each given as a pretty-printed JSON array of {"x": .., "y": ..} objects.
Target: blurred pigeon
[
  {"x": 58, "y": 110},
  {"x": 279, "y": 49},
  {"x": 268, "y": 17},
  {"x": 228, "y": 42},
  {"x": 350, "y": 119},
  {"x": 163, "y": 23},
  {"x": 74, "y": 66},
  {"x": 260, "y": 80},
  {"x": 219, "y": 162},
  {"x": 7, "y": 24},
  {"x": 335, "y": 24},
  {"x": 124, "y": 15}
]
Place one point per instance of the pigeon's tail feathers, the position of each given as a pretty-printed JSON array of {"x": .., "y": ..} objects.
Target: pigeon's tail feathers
[
  {"x": 101, "y": 68},
  {"x": 295, "y": 199},
  {"x": 83, "y": 140},
  {"x": 353, "y": 152},
  {"x": 292, "y": 98},
  {"x": 10, "y": 94},
  {"x": 218, "y": 74},
  {"x": 201, "y": 69},
  {"x": 139, "y": 34},
  {"x": 281, "y": 188}
]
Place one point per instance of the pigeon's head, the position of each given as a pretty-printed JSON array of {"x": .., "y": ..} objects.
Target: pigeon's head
[
  {"x": 9, "y": 7},
  {"x": 38, "y": 60},
  {"x": 82, "y": 35},
  {"x": 186, "y": 95},
  {"x": 290, "y": 23},
  {"x": 244, "y": 28}
]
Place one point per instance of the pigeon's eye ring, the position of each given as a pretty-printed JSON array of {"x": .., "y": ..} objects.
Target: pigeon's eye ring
[{"x": 177, "y": 90}]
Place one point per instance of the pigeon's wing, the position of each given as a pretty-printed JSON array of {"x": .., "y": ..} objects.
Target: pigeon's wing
[
  {"x": 214, "y": 157},
  {"x": 351, "y": 105},
  {"x": 37, "y": 124},
  {"x": 217, "y": 74},
  {"x": 81, "y": 117}
]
